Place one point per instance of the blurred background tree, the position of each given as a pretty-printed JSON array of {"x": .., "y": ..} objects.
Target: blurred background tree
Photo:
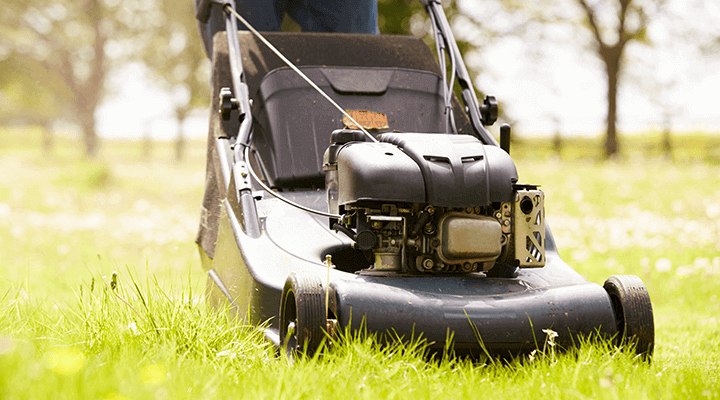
[
  {"x": 603, "y": 28},
  {"x": 65, "y": 49},
  {"x": 175, "y": 55},
  {"x": 25, "y": 102},
  {"x": 56, "y": 57},
  {"x": 614, "y": 24}
]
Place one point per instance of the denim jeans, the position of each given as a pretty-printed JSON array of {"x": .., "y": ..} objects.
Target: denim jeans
[{"x": 345, "y": 16}]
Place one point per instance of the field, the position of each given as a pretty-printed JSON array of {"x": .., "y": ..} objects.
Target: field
[{"x": 70, "y": 329}]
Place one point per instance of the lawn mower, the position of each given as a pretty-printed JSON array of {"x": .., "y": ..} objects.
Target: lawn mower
[{"x": 349, "y": 188}]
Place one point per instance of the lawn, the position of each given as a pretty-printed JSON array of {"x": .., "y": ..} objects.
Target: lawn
[{"x": 68, "y": 331}]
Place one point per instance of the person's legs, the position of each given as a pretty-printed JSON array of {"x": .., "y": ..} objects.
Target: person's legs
[
  {"x": 263, "y": 15},
  {"x": 345, "y": 16}
]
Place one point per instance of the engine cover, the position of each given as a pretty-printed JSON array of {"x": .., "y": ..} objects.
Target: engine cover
[
  {"x": 437, "y": 169},
  {"x": 378, "y": 172},
  {"x": 458, "y": 170},
  {"x": 432, "y": 203}
]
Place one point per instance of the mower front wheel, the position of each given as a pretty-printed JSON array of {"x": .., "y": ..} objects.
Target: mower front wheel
[
  {"x": 633, "y": 313},
  {"x": 303, "y": 317}
]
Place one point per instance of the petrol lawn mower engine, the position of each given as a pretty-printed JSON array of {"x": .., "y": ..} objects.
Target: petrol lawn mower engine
[{"x": 432, "y": 203}]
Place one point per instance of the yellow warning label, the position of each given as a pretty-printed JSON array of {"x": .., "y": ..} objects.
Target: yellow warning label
[{"x": 366, "y": 119}]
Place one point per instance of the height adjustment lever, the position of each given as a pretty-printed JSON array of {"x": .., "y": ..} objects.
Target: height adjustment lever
[
  {"x": 227, "y": 103},
  {"x": 489, "y": 110}
]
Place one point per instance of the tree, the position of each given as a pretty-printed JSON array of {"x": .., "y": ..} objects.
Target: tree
[
  {"x": 21, "y": 98},
  {"x": 174, "y": 53},
  {"x": 613, "y": 24},
  {"x": 67, "y": 47},
  {"x": 477, "y": 29}
]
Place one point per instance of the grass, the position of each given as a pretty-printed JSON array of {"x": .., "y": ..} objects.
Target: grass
[{"x": 67, "y": 224}]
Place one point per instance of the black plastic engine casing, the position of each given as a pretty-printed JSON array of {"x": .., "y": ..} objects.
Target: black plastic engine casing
[
  {"x": 377, "y": 172},
  {"x": 437, "y": 169}
]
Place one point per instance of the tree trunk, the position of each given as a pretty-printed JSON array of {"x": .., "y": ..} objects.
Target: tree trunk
[
  {"x": 180, "y": 140},
  {"x": 667, "y": 137},
  {"x": 557, "y": 137},
  {"x": 87, "y": 121},
  {"x": 612, "y": 58},
  {"x": 91, "y": 89},
  {"x": 611, "y": 141}
]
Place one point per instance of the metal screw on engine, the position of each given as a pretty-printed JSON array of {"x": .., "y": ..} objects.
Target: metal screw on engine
[
  {"x": 435, "y": 242},
  {"x": 498, "y": 215},
  {"x": 430, "y": 210},
  {"x": 429, "y": 228},
  {"x": 469, "y": 210},
  {"x": 478, "y": 209},
  {"x": 428, "y": 263},
  {"x": 506, "y": 222}
]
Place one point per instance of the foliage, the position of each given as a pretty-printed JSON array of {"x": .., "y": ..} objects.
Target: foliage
[
  {"x": 67, "y": 48},
  {"x": 175, "y": 56},
  {"x": 22, "y": 97}
]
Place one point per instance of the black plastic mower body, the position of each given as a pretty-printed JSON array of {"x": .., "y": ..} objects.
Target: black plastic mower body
[
  {"x": 251, "y": 242},
  {"x": 508, "y": 313}
]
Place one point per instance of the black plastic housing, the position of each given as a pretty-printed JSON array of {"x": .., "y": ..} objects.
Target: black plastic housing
[
  {"x": 299, "y": 120},
  {"x": 378, "y": 172},
  {"x": 437, "y": 169}
]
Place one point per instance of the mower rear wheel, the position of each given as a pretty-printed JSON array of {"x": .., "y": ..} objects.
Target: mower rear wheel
[
  {"x": 633, "y": 313},
  {"x": 303, "y": 317}
]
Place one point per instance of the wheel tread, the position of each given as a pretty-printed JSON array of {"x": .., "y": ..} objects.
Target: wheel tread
[
  {"x": 635, "y": 318},
  {"x": 310, "y": 312}
]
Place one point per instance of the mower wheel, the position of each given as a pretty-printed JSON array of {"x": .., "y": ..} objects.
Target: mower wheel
[
  {"x": 633, "y": 313},
  {"x": 303, "y": 317}
]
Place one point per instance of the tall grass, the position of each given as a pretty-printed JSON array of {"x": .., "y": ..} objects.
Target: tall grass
[
  {"x": 141, "y": 341},
  {"x": 65, "y": 332},
  {"x": 119, "y": 337}
]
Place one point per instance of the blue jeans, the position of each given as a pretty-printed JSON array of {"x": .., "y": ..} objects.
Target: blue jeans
[{"x": 345, "y": 16}]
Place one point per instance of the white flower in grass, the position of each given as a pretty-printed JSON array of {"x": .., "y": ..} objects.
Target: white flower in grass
[
  {"x": 684, "y": 270},
  {"x": 663, "y": 265},
  {"x": 580, "y": 255},
  {"x": 677, "y": 206},
  {"x": 712, "y": 210},
  {"x": 5, "y": 210},
  {"x": 551, "y": 335},
  {"x": 133, "y": 328},
  {"x": 6, "y": 344}
]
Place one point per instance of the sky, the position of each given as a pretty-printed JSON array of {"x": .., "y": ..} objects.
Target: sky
[{"x": 543, "y": 87}]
